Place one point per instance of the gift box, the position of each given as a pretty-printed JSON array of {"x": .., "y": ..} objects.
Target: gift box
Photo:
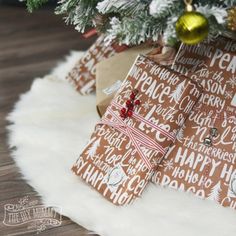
[
  {"x": 111, "y": 72},
  {"x": 203, "y": 158},
  {"x": 82, "y": 75},
  {"x": 136, "y": 131}
]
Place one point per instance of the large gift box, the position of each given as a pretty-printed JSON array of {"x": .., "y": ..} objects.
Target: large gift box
[
  {"x": 82, "y": 75},
  {"x": 138, "y": 128},
  {"x": 203, "y": 158}
]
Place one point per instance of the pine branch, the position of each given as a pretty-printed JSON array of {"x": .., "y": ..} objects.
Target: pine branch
[
  {"x": 135, "y": 30},
  {"x": 34, "y": 4},
  {"x": 165, "y": 8},
  {"x": 79, "y": 12},
  {"x": 229, "y": 3},
  {"x": 136, "y": 21},
  {"x": 123, "y": 7}
]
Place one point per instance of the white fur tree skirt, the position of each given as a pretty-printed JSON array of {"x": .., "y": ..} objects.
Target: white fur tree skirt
[{"x": 50, "y": 125}]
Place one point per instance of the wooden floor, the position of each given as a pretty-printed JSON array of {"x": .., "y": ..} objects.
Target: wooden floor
[{"x": 30, "y": 45}]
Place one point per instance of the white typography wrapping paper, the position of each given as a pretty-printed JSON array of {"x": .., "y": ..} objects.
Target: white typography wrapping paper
[
  {"x": 138, "y": 128},
  {"x": 209, "y": 171}
]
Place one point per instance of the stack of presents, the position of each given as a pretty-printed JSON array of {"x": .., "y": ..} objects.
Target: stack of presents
[{"x": 168, "y": 117}]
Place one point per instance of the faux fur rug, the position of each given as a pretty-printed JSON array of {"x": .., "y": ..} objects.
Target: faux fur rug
[{"x": 50, "y": 125}]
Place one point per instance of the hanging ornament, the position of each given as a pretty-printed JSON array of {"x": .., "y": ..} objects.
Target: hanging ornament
[
  {"x": 192, "y": 27},
  {"x": 232, "y": 19}
]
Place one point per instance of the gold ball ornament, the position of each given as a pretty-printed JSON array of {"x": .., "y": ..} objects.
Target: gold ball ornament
[
  {"x": 192, "y": 27},
  {"x": 232, "y": 18}
]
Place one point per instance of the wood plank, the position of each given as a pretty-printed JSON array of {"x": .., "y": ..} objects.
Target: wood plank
[{"x": 30, "y": 45}]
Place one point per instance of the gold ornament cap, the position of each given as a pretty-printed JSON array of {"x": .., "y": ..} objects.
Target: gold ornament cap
[{"x": 189, "y": 6}]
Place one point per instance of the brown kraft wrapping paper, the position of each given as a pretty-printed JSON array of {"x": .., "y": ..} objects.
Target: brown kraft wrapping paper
[
  {"x": 123, "y": 153},
  {"x": 190, "y": 165},
  {"x": 82, "y": 75}
]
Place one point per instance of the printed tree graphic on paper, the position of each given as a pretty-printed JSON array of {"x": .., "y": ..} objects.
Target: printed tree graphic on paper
[
  {"x": 215, "y": 193},
  {"x": 180, "y": 134},
  {"x": 93, "y": 149},
  {"x": 177, "y": 93}
]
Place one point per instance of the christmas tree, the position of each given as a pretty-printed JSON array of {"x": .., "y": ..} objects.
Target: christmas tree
[
  {"x": 93, "y": 149},
  {"x": 177, "y": 93},
  {"x": 133, "y": 22},
  {"x": 215, "y": 193}
]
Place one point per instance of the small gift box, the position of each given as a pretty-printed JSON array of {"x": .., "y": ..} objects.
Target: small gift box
[
  {"x": 82, "y": 75},
  {"x": 136, "y": 131},
  {"x": 112, "y": 71},
  {"x": 203, "y": 158}
]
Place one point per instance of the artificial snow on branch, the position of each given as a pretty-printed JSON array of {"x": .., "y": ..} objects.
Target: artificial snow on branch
[
  {"x": 160, "y": 7},
  {"x": 219, "y": 13},
  {"x": 135, "y": 21},
  {"x": 125, "y": 7},
  {"x": 34, "y": 4}
]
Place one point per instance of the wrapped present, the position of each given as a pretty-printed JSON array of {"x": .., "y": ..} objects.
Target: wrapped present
[
  {"x": 134, "y": 134},
  {"x": 203, "y": 158},
  {"x": 111, "y": 72},
  {"x": 82, "y": 75}
]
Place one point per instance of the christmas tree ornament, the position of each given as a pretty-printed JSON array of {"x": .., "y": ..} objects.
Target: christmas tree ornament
[
  {"x": 214, "y": 132},
  {"x": 232, "y": 18},
  {"x": 130, "y": 104},
  {"x": 192, "y": 27},
  {"x": 207, "y": 141}
]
